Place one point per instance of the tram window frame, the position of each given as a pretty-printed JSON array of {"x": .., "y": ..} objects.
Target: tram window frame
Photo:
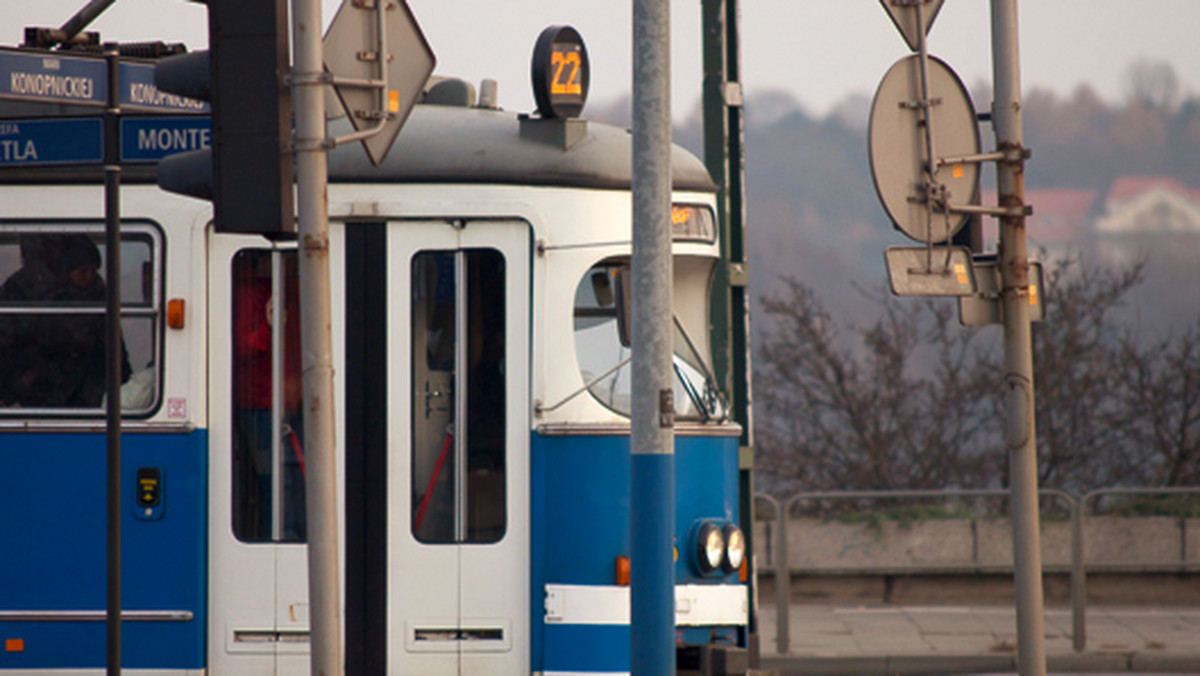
[{"x": 142, "y": 312}]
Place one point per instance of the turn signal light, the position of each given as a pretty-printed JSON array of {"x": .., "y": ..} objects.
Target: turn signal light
[
  {"x": 175, "y": 308},
  {"x": 622, "y": 571}
]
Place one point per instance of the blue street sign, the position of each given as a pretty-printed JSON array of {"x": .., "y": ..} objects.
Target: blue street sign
[
  {"x": 138, "y": 91},
  {"x": 51, "y": 77},
  {"x": 48, "y": 76},
  {"x": 80, "y": 140},
  {"x": 149, "y": 139},
  {"x": 67, "y": 140}
]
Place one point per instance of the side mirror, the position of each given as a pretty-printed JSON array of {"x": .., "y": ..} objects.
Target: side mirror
[{"x": 624, "y": 309}]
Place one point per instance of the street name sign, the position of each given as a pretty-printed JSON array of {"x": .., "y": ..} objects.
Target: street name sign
[
  {"x": 80, "y": 140},
  {"x": 77, "y": 140},
  {"x": 52, "y": 77}
]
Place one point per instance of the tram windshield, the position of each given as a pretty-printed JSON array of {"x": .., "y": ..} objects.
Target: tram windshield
[{"x": 602, "y": 343}]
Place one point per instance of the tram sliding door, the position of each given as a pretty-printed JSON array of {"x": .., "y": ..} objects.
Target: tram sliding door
[
  {"x": 258, "y": 571},
  {"x": 458, "y": 551}
]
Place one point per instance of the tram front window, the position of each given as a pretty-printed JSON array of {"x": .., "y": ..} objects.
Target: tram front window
[
  {"x": 602, "y": 344},
  {"x": 268, "y": 456}
]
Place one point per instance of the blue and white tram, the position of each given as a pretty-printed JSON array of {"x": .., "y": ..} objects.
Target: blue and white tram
[{"x": 478, "y": 280}]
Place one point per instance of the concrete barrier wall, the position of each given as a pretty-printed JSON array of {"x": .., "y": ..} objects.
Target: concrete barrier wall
[{"x": 965, "y": 545}]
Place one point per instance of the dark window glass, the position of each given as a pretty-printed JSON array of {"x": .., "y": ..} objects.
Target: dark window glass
[
  {"x": 52, "y": 325},
  {"x": 268, "y": 456},
  {"x": 458, "y": 462}
]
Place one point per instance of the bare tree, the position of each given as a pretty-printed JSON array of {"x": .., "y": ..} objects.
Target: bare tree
[
  {"x": 1076, "y": 351},
  {"x": 1152, "y": 83},
  {"x": 891, "y": 405},
  {"x": 1160, "y": 395},
  {"x": 914, "y": 400}
]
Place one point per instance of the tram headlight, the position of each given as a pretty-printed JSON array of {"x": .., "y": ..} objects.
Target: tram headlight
[
  {"x": 735, "y": 548},
  {"x": 710, "y": 547}
]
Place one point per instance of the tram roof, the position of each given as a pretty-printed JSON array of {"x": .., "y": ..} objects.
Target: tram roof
[
  {"x": 441, "y": 144},
  {"x": 458, "y": 144}
]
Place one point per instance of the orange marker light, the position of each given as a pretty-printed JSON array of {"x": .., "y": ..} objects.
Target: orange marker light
[
  {"x": 14, "y": 645},
  {"x": 744, "y": 569},
  {"x": 175, "y": 313},
  {"x": 623, "y": 571}
]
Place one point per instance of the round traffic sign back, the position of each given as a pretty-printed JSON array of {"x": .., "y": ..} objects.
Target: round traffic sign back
[{"x": 914, "y": 191}]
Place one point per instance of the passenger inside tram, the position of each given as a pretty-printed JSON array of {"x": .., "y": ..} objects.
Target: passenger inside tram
[{"x": 56, "y": 359}]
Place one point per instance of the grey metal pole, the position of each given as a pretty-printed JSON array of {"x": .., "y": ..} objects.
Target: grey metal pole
[
  {"x": 783, "y": 584},
  {"x": 308, "y": 99},
  {"x": 1078, "y": 576},
  {"x": 652, "y": 644},
  {"x": 1020, "y": 431}
]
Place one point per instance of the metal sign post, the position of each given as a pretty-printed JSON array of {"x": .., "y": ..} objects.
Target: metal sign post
[
  {"x": 1020, "y": 433},
  {"x": 308, "y": 104},
  {"x": 112, "y": 403},
  {"x": 921, "y": 180}
]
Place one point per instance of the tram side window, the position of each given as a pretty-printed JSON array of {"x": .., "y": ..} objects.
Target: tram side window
[
  {"x": 52, "y": 320},
  {"x": 268, "y": 456},
  {"x": 458, "y": 461}
]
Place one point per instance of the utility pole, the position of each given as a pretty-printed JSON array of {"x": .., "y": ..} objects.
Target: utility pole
[
  {"x": 724, "y": 144},
  {"x": 308, "y": 100},
  {"x": 652, "y": 569},
  {"x": 1020, "y": 434}
]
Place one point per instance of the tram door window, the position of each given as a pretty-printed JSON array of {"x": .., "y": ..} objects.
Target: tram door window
[
  {"x": 52, "y": 323},
  {"x": 459, "y": 407},
  {"x": 268, "y": 457}
]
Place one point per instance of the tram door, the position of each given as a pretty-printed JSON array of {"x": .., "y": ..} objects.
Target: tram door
[
  {"x": 258, "y": 610},
  {"x": 458, "y": 550}
]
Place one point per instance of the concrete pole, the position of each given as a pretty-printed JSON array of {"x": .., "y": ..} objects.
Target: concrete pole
[
  {"x": 653, "y": 436},
  {"x": 1020, "y": 431},
  {"x": 308, "y": 100}
]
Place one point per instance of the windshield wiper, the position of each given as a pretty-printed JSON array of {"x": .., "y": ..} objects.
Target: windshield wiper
[{"x": 710, "y": 403}]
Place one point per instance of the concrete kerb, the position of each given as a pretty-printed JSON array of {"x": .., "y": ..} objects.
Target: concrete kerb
[{"x": 1094, "y": 662}]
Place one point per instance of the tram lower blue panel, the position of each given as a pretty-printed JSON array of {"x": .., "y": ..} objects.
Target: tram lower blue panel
[
  {"x": 600, "y": 648},
  {"x": 581, "y": 508},
  {"x": 53, "y": 501}
]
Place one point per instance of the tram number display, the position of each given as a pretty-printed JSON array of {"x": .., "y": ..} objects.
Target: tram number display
[
  {"x": 560, "y": 72},
  {"x": 566, "y": 62}
]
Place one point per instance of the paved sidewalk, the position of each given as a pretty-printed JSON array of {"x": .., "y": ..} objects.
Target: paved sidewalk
[{"x": 977, "y": 639}]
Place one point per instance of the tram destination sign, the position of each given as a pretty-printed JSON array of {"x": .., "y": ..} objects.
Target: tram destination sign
[
  {"x": 80, "y": 140},
  {"x": 52, "y": 77}
]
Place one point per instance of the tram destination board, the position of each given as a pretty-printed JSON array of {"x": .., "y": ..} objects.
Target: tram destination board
[
  {"x": 83, "y": 80},
  {"x": 80, "y": 140}
]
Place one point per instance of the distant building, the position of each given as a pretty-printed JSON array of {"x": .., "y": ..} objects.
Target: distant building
[
  {"x": 1154, "y": 220},
  {"x": 1149, "y": 204}
]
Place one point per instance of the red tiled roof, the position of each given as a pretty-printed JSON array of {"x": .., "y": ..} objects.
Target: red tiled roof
[{"x": 1127, "y": 188}]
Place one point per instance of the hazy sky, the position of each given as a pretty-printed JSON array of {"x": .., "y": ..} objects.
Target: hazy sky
[{"x": 819, "y": 50}]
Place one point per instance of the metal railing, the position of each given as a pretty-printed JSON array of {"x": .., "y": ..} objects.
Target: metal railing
[{"x": 1078, "y": 513}]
